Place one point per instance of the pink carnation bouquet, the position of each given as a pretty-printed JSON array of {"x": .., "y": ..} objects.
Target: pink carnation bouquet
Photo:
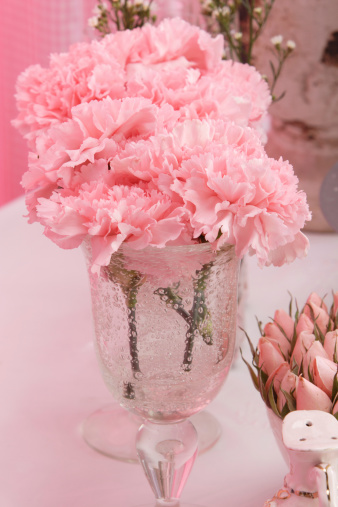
[
  {"x": 295, "y": 364},
  {"x": 148, "y": 137}
]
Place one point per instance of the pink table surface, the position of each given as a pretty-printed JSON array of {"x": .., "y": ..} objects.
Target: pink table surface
[{"x": 49, "y": 383}]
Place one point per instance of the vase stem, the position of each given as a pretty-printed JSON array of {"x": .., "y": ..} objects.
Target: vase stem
[{"x": 167, "y": 453}]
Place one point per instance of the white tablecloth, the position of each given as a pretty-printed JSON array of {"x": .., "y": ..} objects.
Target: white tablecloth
[{"x": 49, "y": 383}]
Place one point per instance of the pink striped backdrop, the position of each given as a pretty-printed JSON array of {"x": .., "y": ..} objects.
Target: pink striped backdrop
[{"x": 30, "y": 31}]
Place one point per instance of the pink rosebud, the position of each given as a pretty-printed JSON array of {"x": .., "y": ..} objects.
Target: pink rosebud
[
  {"x": 315, "y": 350},
  {"x": 303, "y": 343},
  {"x": 286, "y": 322},
  {"x": 277, "y": 376},
  {"x": 324, "y": 371},
  {"x": 318, "y": 315},
  {"x": 331, "y": 344},
  {"x": 335, "y": 303},
  {"x": 288, "y": 385},
  {"x": 269, "y": 357},
  {"x": 277, "y": 338},
  {"x": 315, "y": 299},
  {"x": 273, "y": 330},
  {"x": 304, "y": 324},
  {"x": 310, "y": 397}
]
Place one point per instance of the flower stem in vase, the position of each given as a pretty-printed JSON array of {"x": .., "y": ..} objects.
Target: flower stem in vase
[
  {"x": 130, "y": 282},
  {"x": 197, "y": 318}
]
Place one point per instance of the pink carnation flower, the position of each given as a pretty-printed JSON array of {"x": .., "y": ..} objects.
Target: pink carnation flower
[
  {"x": 110, "y": 216},
  {"x": 216, "y": 173},
  {"x": 232, "y": 187},
  {"x": 97, "y": 130},
  {"x": 156, "y": 114},
  {"x": 175, "y": 63}
]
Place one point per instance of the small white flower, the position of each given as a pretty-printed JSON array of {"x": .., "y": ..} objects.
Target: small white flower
[
  {"x": 291, "y": 45},
  {"x": 258, "y": 10},
  {"x": 238, "y": 36},
  {"x": 93, "y": 22},
  {"x": 225, "y": 11},
  {"x": 277, "y": 40},
  {"x": 214, "y": 15},
  {"x": 207, "y": 4}
]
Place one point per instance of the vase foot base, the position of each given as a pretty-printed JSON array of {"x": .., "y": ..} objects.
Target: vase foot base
[
  {"x": 112, "y": 431},
  {"x": 170, "y": 504}
]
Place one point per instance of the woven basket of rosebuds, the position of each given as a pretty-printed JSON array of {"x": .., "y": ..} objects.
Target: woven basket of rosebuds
[{"x": 295, "y": 363}]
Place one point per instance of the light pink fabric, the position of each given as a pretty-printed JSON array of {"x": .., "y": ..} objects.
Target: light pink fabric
[{"x": 30, "y": 31}]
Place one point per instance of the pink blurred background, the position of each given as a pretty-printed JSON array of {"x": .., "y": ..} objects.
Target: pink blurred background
[{"x": 30, "y": 31}]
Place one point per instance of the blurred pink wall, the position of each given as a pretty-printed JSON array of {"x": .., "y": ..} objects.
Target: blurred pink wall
[{"x": 30, "y": 31}]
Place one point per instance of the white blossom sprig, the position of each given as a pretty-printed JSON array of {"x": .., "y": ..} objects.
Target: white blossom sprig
[
  {"x": 120, "y": 15},
  {"x": 282, "y": 52},
  {"x": 241, "y": 23}
]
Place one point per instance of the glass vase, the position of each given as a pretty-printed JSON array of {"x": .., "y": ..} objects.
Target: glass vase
[
  {"x": 165, "y": 328},
  {"x": 111, "y": 430}
]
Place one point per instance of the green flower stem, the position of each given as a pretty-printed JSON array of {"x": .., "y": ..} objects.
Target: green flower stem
[
  {"x": 123, "y": 15},
  {"x": 281, "y": 56},
  {"x": 197, "y": 318},
  {"x": 132, "y": 331},
  {"x": 198, "y": 315},
  {"x": 130, "y": 282},
  {"x": 189, "y": 345}
]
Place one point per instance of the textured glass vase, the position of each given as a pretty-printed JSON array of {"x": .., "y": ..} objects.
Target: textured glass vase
[{"x": 165, "y": 326}]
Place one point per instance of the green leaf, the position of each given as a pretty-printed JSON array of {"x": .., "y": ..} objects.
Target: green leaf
[
  {"x": 335, "y": 353},
  {"x": 290, "y": 400},
  {"x": 294, "y": 340},
  {"x": 272, "y": 401},
  {"x": 259, "y": 324},
  {"x": 318, "y": 334},
  {"x": 294, "y": 367},
  {"x": 252, "y": 348},
  {"x": 262, "y": 378},
  {"x": 335, "y": 388},
  {"x": 310, "y": 375},
  {"x": 285, "y": 411},
  {"x": 297, "y": 313},
  {"x": 254, "y": 376},
  {"x": 290, "y": 304}
]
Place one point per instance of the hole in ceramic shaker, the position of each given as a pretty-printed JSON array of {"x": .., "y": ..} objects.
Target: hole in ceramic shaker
[
  {"x": 333, "y": 438},
  {"x": 309, "y": 423},
  {"x": 302, "y": 439}
]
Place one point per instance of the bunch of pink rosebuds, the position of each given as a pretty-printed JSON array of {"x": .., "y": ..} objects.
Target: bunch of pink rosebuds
[{"x": 295, "y": 364}]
